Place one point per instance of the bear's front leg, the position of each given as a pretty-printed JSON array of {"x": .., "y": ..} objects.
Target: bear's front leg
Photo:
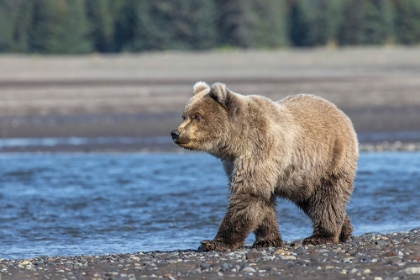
[
  {"x": 242, "y": 217},
  {"x": 267, "y": 233},
  {"x": 233, "y": 230}
]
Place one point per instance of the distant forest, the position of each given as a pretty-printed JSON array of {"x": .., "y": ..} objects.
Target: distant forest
[{"x": 111, "y": 26}]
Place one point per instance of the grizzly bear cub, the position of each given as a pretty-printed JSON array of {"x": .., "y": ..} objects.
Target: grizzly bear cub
[{"x": 302, "y": 148}]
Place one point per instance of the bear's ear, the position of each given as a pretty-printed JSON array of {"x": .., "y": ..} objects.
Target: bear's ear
[
  {"x": 200, "y": 87},
  {"x": 220, "y": 93}
]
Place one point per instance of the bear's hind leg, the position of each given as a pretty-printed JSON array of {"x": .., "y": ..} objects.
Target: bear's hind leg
[
  {"x": 346, "y": 230},
  {"x": 267, "y": 233},
  {"x": 327, "y": 210},
  {"x": 320, "y": 234}
]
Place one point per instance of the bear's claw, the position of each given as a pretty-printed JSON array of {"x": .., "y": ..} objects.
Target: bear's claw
[{"x": 263, "y": 243}]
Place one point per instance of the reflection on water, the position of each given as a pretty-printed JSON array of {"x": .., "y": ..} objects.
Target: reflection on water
[
  {"x": 79, "y": 141},
  {"x": 68, "y": 204},
  {"x": 15, "y": 143}
]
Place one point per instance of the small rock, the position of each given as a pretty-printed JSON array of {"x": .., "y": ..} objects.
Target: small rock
[
  {"x": 393, "y": 261},
  {"x": 204, "y": 266},
  {"x": 281, "y": 252},
  {"x": 412, "y": 270},
  {"x": 215, "y": 266},
  {"x": 348, "y": 259},
  {"x": 272, "y": 270},
  {"x": 300, "y": 250},
  {"x": 268, "y": 257},
  {"x": 253, "y": 255},
  {"x": 168, "y": 275},
  {"x": 366, "y": 271},
  {"x": 354, "y": 270},
  {"x": 377, "y": 278},
  {"x": 248, "y": 269},
  {"x": 390, "y": 254},
  {"x": 225, "y": 267},
  {"x": 287, "y": 257},
  {"x": 400, "y": 254}
]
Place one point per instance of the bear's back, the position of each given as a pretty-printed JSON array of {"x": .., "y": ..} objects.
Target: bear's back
[
  {"x": 316, "y": 114},
  {"x": 326, "y": 134}
]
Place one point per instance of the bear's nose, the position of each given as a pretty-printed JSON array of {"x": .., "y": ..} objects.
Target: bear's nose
[{"x": 175, "y": 134}]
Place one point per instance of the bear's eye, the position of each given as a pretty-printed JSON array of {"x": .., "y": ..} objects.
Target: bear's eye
[{"x": 197, "y": 117}]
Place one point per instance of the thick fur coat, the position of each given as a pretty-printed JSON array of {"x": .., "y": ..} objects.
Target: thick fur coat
[{"x": 302, "y": 148}]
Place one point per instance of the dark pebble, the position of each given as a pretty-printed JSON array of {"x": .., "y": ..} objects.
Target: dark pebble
[
  {"x": 300, "y": 250},
  {"x": 225, "y": 267},
  {"x": 204, "y": 266},
  {"x": 253, "y": 255}
]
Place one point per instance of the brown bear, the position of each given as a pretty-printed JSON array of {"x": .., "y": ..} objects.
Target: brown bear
[{"x": 302, "y": 148}]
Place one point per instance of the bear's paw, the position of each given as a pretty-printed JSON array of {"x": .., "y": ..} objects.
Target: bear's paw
[
  {"x": 214, "y": 245},
  {"x": 265, "y": 243}
]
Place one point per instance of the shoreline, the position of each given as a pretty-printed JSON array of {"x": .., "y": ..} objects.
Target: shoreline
[
  {"x": 137, "y": 145},
  {"x": 369, "y": 256}
]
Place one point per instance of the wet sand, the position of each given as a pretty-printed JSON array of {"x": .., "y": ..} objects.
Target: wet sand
[
  {"x": 143, "y": 95},
  {"x": 371, "y": 256}
]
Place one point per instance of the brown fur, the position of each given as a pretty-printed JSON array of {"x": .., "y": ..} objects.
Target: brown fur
[{"x": 302, "y": 148}]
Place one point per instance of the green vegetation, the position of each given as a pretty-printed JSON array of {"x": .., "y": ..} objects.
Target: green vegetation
[
  {"x": 84, "y": 26},
  {"x": 407, "y": 21}
]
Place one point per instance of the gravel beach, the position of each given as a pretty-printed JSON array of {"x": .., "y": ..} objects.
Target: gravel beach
[{"x": 370, "y": 256}]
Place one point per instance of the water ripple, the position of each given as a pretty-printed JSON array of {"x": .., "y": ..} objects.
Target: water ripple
[{"x": 69, "y": 204}]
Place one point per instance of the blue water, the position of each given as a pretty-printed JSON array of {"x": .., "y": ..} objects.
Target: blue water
[
  {"x": 80, "y": 141},
  {"x": 69, "y": 204}
]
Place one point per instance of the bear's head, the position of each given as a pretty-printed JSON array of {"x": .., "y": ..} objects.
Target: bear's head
[{"x": 206, "y": 116}]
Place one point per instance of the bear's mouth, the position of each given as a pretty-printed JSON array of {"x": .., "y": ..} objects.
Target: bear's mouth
[
  {"x": 179, "y": 142},
  {"x": 185, "y": 145}
]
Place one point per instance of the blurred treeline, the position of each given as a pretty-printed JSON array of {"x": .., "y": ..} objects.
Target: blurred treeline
[{"x": 83, "y": 26}]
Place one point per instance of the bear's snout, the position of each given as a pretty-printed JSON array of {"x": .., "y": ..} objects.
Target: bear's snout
[{"x": 175, "y": 134}]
